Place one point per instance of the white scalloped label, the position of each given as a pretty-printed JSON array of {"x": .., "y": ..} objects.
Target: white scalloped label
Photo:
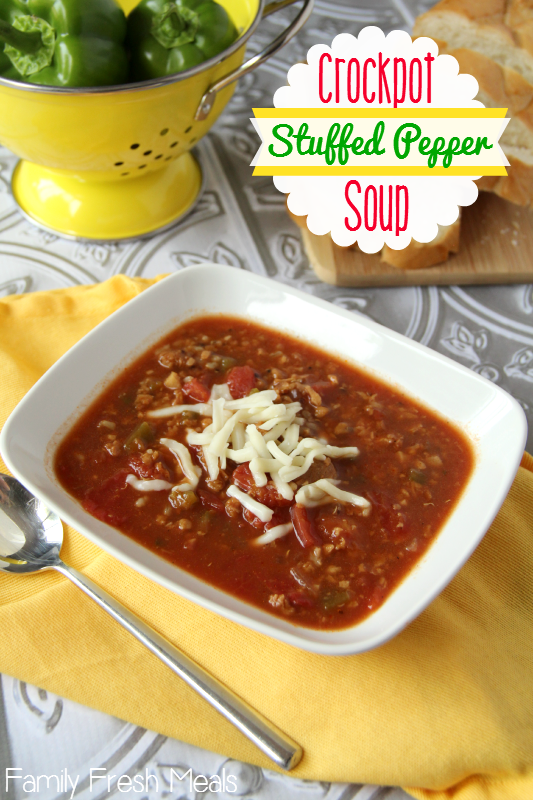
[{"x": 370, "y": 140}]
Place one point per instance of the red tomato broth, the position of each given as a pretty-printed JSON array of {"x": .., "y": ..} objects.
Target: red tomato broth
[{"x": 338, "y": 565}]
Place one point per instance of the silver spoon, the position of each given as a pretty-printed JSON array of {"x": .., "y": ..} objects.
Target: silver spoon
[{"x": 30, "y": 540}]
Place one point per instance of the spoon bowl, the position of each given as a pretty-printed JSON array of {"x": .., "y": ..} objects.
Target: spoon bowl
[{"x": 31, "y": 536}]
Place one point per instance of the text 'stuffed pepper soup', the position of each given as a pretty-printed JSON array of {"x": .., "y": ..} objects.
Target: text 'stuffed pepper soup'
[{"x": 269, "y": 469}]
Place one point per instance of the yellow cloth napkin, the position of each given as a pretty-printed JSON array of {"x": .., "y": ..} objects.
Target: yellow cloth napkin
[{"x": 447, "y": 705}]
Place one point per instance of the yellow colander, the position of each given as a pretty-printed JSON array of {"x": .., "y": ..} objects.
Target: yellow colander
[{"x": 111, "y": 163}]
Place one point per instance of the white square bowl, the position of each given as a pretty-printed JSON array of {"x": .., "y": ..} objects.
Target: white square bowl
[{"x": 492, "y": 420}]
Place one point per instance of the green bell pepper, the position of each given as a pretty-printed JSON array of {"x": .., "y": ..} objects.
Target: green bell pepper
[
  {"x": 168, "y": 37},
  {"x": 63, "y": 42}
]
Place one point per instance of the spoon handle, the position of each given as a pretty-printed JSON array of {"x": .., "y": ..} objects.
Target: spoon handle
[{"x": 275, "y": 744}]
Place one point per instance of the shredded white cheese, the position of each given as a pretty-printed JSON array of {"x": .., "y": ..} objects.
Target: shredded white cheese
[
  {"x": 263, "y": 512},
  {"x": 221, "y": 390},
  {"x": 238, "y": 438},
  {"x": 264, "y": 432},
  {"x": 285, "y": 489},
  {"x": 242, "y": 456},
  {"x": 321, "y": 492},
  {"x": 204, "y": 409},
  {"x": 147, "y": 486},
  {"x": 192, "y": 473},
  {"x": 265, "y": 399},
  {"x": 279, "y": 454},
  {"x": 219, "y": 443},
  {"x": 273, "y": 533}
]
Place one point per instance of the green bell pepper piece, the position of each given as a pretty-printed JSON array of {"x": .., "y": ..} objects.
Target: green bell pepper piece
[
  {"x": 63, "y": 42},
  {"x": 168, "y": 37},
  {"x": 143, "y": 433}
]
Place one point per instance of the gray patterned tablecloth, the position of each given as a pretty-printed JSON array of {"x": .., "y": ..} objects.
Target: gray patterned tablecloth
[{"x": 240, "y": 221}]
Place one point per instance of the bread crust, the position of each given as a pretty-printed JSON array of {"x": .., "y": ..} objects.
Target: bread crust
[
  {"x": 500, "y": 87},
  {"x": 493, "y": 41},
  {"x": 416, "y": 255},
  {"x": 499, "y": 29},
  {"x": 517, "y": 187}
]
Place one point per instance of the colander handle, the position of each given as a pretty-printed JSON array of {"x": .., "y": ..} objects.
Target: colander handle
[{"x": 207, "y": 101}]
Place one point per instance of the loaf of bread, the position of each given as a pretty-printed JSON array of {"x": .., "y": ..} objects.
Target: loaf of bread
[
  {"x": 502, "y": 30},
  {"x": 321, "y": 250},
  {"x": 418, "y": 255},
  {"x": 493, "y": 41}
]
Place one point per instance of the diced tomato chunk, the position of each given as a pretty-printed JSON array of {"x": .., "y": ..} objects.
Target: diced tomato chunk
[
  {"x": 268, "y": 495},
  {"x": 304, "y": 527},
  {"x": 210, "y": 499},
  {"x": 251, "y": 519},
  {"x": 300, "y": 599},
  {"x": 154, "y": 470},
  {"x": 241, "y": 381},
  {"x": 280, "y": 517},
  {"x": 101, "y": 501},
  {"x": 242, "y": 477},
  {"x": 141, "y": 469},
  {"x": 393, "y": 521},
  {"x": 196, "y": 390}
]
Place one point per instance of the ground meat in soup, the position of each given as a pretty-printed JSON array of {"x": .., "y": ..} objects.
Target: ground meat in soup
[{"x": 324, "y": 494}]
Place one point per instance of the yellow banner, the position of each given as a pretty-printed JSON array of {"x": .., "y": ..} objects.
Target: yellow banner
[
  {"x": 384, "y": 113},
  {"x": 429, "y": 141},
  {"x": 380, "y": 171}
]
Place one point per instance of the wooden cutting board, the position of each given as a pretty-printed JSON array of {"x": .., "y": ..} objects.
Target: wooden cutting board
[{"x": 496, "y": 246}]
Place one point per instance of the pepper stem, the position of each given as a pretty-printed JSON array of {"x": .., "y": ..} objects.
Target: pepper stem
[
  {"x": 175, "y": 22},
  {"x": 175, "y": 25},
  {"x": 20, "y": 40},
  {"x": 29, "y": 43}
]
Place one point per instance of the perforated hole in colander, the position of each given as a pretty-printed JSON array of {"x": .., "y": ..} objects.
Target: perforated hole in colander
[
  {"x": 174, "y": 144},
  {"x": 134, "y": 146},
  {"x": 188, "y": 129},
  {"x": 163, "y": 132},
  {"x": 147, "y": 152}
]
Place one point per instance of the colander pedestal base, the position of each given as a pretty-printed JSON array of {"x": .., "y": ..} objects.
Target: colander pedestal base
[{"x": 107, "y": 210}]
